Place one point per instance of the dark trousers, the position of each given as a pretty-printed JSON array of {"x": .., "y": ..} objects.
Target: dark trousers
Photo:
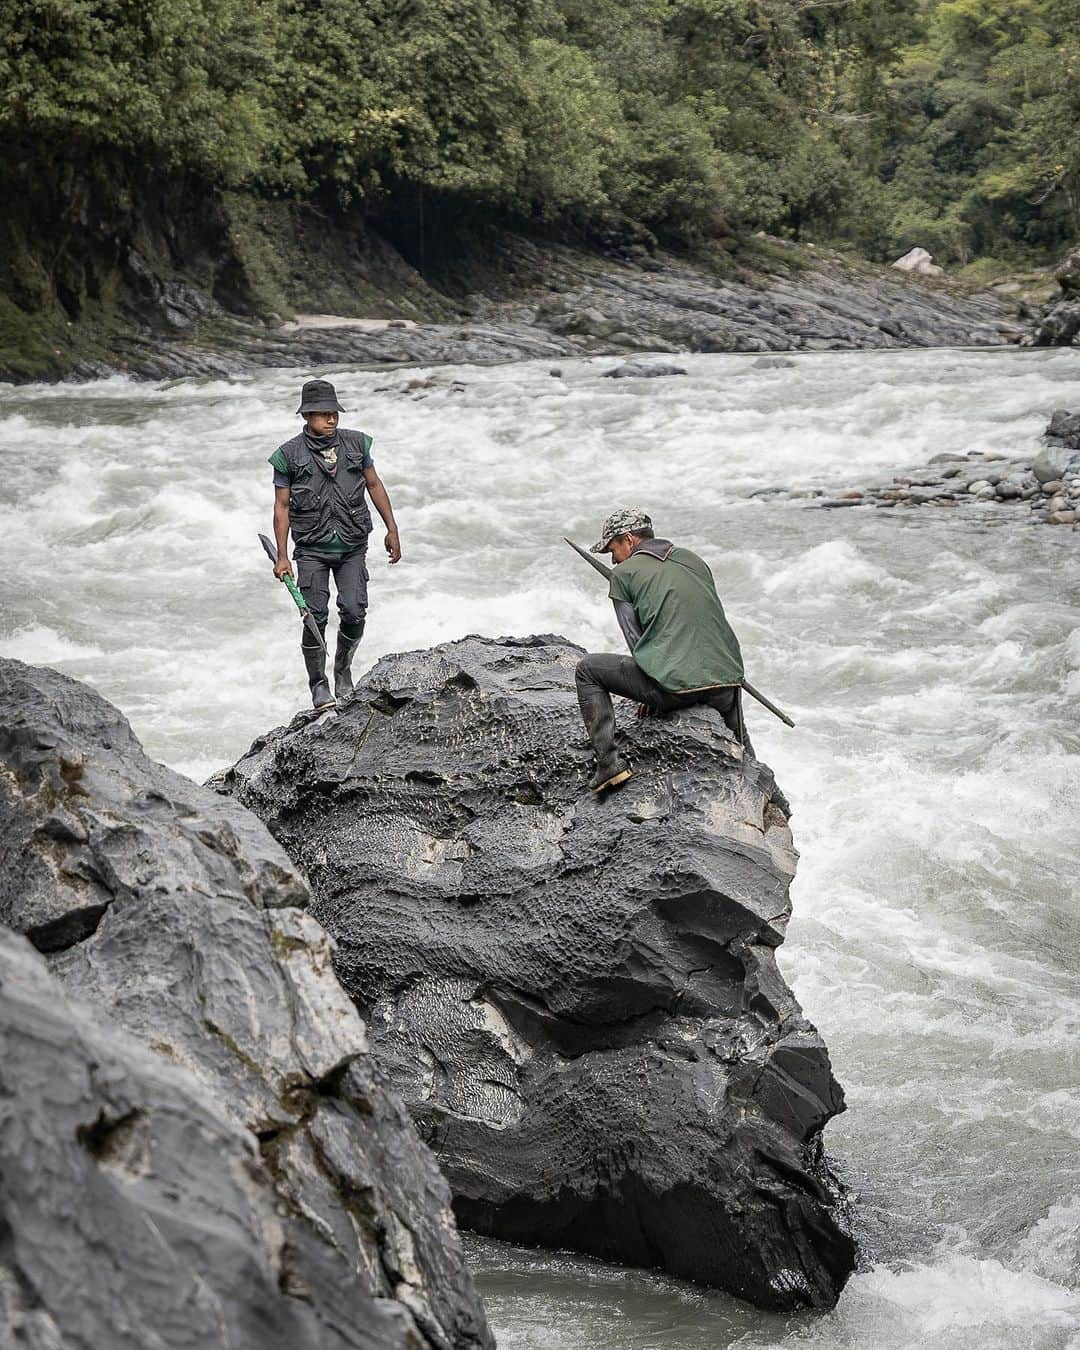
[
  {"x": 350, "y": 579},
  {"x": 599, "y": 676}
]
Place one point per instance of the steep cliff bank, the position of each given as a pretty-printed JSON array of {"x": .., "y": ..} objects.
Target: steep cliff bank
[
  {"x": 196, "y": 1148},
  {"x": 577, "y": 998},
  {"x": 114, "y": 268}
]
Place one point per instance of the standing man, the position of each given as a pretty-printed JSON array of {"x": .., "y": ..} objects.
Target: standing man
[
  {"x": 320, "y": 478},
  {"x": 684, "y": 651}
]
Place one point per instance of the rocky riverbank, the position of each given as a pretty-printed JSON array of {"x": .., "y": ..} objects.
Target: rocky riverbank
[
  {"x": 1042, "y": 486},
  {"x": 578, "y": 998},
  {"x": 196, "y": 1147},
  {"x": 551, "y": 301},
  {"x": 165, "y": 278}
]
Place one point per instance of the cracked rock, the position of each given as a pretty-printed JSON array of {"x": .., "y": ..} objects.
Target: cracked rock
[
  {"x": 196, "y": 1148},
  {"x": 577, "y": 998}
]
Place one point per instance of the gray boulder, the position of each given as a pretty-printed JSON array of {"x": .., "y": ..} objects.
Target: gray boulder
[
  {"x": 201, "y": 1096},
  {"x": 1059, "y": 323},
  {"x": 1065, "y": 427},
  {"x": 1060, "y": 457},
  {"x": 1068, "y": 274},
  {"x": 643, "y": 370},
  {"x": 578, "y": 998}
]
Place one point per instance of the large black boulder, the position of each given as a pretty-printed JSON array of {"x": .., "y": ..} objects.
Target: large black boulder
[
  {"x": 578, "y": 998},
  {"x": 196, "y": 1148}
]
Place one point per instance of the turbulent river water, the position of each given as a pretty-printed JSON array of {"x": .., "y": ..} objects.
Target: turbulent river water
[{"x": 930, "y": 658}]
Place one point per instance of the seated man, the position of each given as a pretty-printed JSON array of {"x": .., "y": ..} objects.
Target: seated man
[{"x": 684, "y": 651}]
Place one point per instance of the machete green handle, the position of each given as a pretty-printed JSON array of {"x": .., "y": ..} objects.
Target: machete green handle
[{"x": 294, "y": 591}]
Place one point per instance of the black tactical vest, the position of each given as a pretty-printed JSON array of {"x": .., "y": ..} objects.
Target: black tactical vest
[{"x": 321, "y": 505}]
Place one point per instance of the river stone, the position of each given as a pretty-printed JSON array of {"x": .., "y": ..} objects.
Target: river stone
[
  {"x": 233, "y": 1098},
  {"x": 577, "y": 997},
  {"x": 641, "y": 370},
  {"x": 1065, "y": 427},
  {"x": 1062, "y": 517},
  {"x": 1053, "y": 463}
]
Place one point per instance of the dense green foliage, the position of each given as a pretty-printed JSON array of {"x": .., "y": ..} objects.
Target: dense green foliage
[{"x": 949, "y": 123}]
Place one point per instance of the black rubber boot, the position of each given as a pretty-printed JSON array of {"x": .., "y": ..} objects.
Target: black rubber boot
[
  {"x": 348, "y": 639},
  {"x": 315, "y": 661},
  {"x": 611, "y": 768}
]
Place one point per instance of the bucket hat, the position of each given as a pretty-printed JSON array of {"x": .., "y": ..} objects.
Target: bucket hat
[{"x": 319, "y": 396}]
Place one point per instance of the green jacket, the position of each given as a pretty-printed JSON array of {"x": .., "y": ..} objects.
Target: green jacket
[{"x": 686, "y": 641}]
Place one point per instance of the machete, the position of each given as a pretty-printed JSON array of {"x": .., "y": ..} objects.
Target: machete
[
  {"x": 294, "y": 591},
  {"x": 606, "y": 572}
]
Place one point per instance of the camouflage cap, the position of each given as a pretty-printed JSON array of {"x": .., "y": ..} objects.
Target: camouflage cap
[{"x": 627, "y": 521}]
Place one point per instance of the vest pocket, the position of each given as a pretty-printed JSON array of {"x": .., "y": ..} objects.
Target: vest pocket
[{"x": 304, "y": 510}]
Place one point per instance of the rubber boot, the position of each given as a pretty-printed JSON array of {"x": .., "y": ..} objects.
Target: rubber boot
[
  {"x": 315, "y": 661},
  {"x": 348, "y": 639},
  {"x": 611, "y": 768}
]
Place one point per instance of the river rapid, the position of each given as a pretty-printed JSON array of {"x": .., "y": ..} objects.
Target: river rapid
[{"x": 930, "y": 658}]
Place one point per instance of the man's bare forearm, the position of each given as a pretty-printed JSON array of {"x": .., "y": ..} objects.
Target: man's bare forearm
[
  {"x": 380, "y": 499},
  {"x": 281, "y": 528}
]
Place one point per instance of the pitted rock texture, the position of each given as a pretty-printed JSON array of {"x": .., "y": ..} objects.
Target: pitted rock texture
[
  {"x": 578, "y": 998},
  {"x": 188, "y": 1078}
]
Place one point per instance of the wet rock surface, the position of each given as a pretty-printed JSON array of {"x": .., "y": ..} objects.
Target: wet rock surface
[
  {"x": 556, "y": 302},
  {"x": 578, "y": 998},
  {"x": 196, "y": 1148}
]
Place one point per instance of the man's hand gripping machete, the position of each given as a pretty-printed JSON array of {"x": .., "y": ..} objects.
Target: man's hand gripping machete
[{"x": 294, "y": 591}]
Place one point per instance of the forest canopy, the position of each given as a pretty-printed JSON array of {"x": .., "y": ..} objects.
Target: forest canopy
[{"x": 954, "y": 124}]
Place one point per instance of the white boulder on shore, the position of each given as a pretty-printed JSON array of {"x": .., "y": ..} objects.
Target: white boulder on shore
[{"x": 919, "y": 260}]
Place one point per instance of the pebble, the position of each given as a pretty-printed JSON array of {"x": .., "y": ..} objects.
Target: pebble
[
  {"x": 1008, "y": 491},
  {"x": 1062, "y": 518},
  {"x": 1053, "y": 487},
  {"x": 979, "y": 485}
]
